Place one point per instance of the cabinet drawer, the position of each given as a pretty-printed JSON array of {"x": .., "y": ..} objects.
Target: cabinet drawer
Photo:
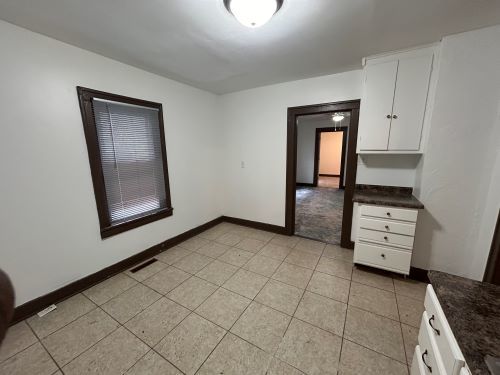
[
  {"x": 387, "y": 226},
  {"x": 382, "y": 257},
  {"x": 403, "y": 214},
  {"x": 429, "y": 352},
  {"x": 451, "y": 354},
  {"x": 390, "y": 239},
  {"x": 417, "y": 366}
]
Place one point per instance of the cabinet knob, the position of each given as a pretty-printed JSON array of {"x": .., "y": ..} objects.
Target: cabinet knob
[
  {"x": 382, "y": 255},
  {"x": 388, "y": 214},
  {"x": 394, "y": 116},
  {"x": 388, "y": 116},
  {"x": 385, "y": 238},
  {"x": 387, "y": 227}
]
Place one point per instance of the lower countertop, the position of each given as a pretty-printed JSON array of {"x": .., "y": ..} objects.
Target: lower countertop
[
  {"x": 393, "y": 196},
  {"x": 472, "y": 309}
]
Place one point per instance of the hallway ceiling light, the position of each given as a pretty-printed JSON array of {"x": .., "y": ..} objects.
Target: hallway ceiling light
[
  {"x": 337, "y": 117},
  {"x": 253, "y": 13}
]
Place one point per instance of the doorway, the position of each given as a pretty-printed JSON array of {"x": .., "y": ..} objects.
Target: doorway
[
  {"x": 348, "y": 174},
  {"x": 330, "y": 155}
]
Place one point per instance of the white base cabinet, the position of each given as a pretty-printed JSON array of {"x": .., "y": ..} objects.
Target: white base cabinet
[{"x": 384, "y": 237}]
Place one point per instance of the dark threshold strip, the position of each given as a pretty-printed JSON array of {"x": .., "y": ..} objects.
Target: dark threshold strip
[{"x": 143, "y": 265}]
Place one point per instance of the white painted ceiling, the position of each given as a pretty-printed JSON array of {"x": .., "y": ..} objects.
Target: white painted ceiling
[{"x": 198, "y": 42}]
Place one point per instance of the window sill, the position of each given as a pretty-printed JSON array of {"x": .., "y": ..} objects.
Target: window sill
[{"x": 123, "y": 227}]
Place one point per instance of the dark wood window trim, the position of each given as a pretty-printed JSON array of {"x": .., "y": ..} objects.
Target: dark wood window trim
[
  {"x": 85, "y": 97},
  {"x": 344, "y": 130},
  {"x": 351, "y": 106}
]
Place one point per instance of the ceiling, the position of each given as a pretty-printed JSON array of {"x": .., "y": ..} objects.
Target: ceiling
[{"x": 199, "y": 43}]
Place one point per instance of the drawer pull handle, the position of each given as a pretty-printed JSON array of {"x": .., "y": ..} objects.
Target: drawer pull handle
[
  {"x": 423, "y": 360},
  {"x": 387, "y": 227},
  {"x": 382, "y": 255},
  {"x": 385, "y": 238},
  {"x": 388, "y": 214},
  {"x": 435, "y": 329}
]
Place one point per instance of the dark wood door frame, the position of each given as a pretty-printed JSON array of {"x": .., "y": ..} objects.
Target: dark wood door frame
[
  {"x": 351, "y": 106},
  {"x": 317, "y": 146},
  {"x": 492, "y": 271}
]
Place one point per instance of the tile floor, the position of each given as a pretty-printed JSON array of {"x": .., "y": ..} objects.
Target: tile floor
[{"x": 232, "y": 300}]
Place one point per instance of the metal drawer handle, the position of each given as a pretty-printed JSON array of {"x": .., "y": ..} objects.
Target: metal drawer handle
[
  {"x": 423, "y": 360},
  {"x": 382, "y": 255},
  {"x": 435, "y": 329},
  {"x": 388, "y": 214},
  {"x": 387, "y": 227},
  {"x": 386, "y": 238}
]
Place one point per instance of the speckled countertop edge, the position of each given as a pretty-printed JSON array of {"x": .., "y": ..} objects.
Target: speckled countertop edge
[{"x": 394, "y": 196}]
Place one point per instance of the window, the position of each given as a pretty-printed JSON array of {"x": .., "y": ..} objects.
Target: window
[{"x": 126, "y": 146}]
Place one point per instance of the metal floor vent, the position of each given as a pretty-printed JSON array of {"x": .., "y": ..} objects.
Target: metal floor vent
[{"x": 143, "y": 265}]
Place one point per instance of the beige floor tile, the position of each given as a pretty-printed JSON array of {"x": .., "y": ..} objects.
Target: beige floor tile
[
  {"x": 261, "y": 235},
  {"x": 374, "y": 300},
  {"x": 190, "y": 343},
  {"x": 33, "y": 360},
  {"x": 217, "y": 272},
  {"x": 372, "y": 278},
  {"x": 322, "y": 312},
  {"x": 262, "y": 326},
  {"x": 246, "y": 283},
  {"x": 194, "y": 243},
  {"x": 410, "y": 339},
  {"x": 278, "y": 367},
  {"x": 375, "y": 332},
  {"x": 213, "y": 249},
  {"x": 357, "y": 360},
  {"x": 337, "y": 252},
  {"x": 293, "y": 275},
  {"x": 329, "y": 286},
  {"x": 262, "y": 265},
  {"x": 72, "y": 340},
  {"x": 157, "y": 321},
  {"x": 110, "y": 288},
  {"x": 229, "y": 239},
  {"x": 130, "y": 303},
  {"x": 166, "y": 280},
  {"x": 153, "y": 364},
  {"x": 212, "y": 233},
  {"x": 193, "y": 263},
  {"x": 236, "y": 356},
  {"x": 250, "y": 244},
  {"x": 192, "y": 292},
  {"x": 303, "y": 259},
  {"x": 174, "y": 254},
  {"x": 310, "y": 349},
  {"x": 67, "y": 311},
  {"x": 236, "y": 257},
  {"x": 287, "y": 241},
  {"x": 335, "y": 267},
  {"x": 147, "y": 271},
  {"x": 223, "y": 308},
  {"x": 18, "y": 338},
  {"x": 275, "y": 251},
  {"x": 280, "y": 296},
  {"x": 410, "y": 288},
  {"x": 310, "y": 246},
  {"x": 115, "y": 354},
  {"x": 410, "y": 310}
]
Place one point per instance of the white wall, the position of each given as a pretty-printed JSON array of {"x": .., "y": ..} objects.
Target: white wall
[
  {"x": 306, "y": 140},
  {"x": 49, "y": 227},
  {"x": 254, "y": 126},
  {"x": 458, "y": 177},
  {"x": 330, "y": 153}
]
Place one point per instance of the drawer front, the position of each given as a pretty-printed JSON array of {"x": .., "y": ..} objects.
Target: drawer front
[
  {"x": 382, "y": 257},
  {"x": 417, "y": 366},
  {"x": 452, "y": 357},
  {"x": 403, "y": 214},
  {"x": 429, "y": 352},
  {"x": 387, "y": 226},
  {"x": 385, "y": 238}
]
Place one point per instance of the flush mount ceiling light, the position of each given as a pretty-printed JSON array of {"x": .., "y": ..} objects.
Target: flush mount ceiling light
[
  {"x": 338, "y": 117},
  {"x": 253, "y": 13}
]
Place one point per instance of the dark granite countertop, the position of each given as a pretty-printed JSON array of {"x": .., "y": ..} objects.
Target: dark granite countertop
[
  {"x": 386, "y": 196},
  {"x": 472, "y": 309}
]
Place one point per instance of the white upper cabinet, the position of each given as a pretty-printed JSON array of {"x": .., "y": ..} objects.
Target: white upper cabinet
[{"x": 394, "y": 103}]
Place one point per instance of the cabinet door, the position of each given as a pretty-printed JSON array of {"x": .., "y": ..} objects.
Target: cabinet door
[
  {"x": 410, "y": 98},
  {"x": 376, "y": 106}
]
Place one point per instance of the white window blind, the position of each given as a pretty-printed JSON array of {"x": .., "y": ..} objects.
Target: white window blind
[{"x": 131, "y": 159}]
